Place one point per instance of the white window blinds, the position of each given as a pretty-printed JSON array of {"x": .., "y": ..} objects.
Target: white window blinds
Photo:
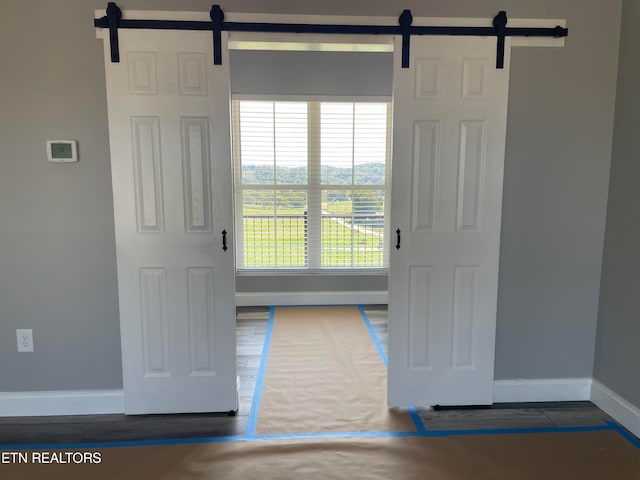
[{"x": 311, "y": 184}]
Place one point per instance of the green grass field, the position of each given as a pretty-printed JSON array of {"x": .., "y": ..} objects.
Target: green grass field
[{"x": 271, "y": 242}]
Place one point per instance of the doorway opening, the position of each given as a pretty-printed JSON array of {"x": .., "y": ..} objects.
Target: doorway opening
[{"x": 311, "y": 150}]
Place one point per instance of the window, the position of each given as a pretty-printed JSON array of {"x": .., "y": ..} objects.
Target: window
[{"x": 312, "y": 184}]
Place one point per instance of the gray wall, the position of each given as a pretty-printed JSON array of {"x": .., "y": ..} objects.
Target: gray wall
[
  {"x": 308, "y": 73},
  {"x": 618, "y": 339},
  {"x": 57, "y": 246},
  {"x": 559, "y": 130},
  {"x": 57, "y": 253}
]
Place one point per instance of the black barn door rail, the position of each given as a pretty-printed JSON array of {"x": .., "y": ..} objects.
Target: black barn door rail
[{"x": 113, "y": 21}]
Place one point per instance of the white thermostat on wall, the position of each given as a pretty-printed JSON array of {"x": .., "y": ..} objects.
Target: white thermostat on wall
[{"x": 62, "y": 151}]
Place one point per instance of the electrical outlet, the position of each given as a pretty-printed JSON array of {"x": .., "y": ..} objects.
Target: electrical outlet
[{"x": 25, "y": 339}]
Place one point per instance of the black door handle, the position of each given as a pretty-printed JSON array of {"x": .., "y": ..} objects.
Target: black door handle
[
  {"x": 224, "y": 240},
  {"x": 398, "y": 239}
]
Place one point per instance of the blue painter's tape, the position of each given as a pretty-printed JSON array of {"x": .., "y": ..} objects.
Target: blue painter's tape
[
  {"x": 417, "y": 421},
  {"x": 515, "y": 431},
  {"x": 626, "y": 434},
  {"x": 328, "y": 435},
  {"x": 257, "y": 393},
  {"x": 128, "y": 443},
  {"x": 325, "y": 435},
  {"x": 373, "y": 335},
  {"x": 431, "y": 433}
]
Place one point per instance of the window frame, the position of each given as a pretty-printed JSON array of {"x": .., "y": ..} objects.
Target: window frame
[{"x": 237, "y": 184}]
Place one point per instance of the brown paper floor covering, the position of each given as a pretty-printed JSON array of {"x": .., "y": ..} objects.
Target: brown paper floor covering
[{"x": 324, "y": 374}]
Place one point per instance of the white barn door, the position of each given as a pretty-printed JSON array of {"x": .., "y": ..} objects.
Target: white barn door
[
  {"x": 169, "y": 129},
  {"x": 449, "y": 126}
]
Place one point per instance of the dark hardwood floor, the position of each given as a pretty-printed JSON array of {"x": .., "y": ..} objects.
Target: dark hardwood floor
[{"x": 251, "y": 332}]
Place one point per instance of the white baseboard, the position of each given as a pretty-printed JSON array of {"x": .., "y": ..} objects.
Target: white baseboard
[
  {"x": 80, "y": 402},
  {"x": 255, "y": 299},
  {"x": 621, "y": 410},
  {"x": 542, "y": 390}
]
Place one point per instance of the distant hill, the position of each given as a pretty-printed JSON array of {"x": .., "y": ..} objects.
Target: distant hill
[{"x": 365, "y": 174}]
